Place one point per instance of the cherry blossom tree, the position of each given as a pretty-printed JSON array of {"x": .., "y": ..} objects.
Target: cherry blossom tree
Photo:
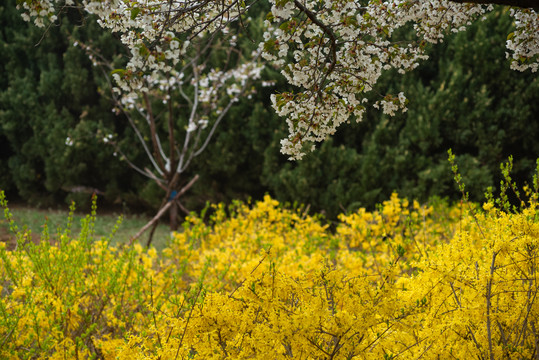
[
  {"x": 331, "y": 51},
  {"x": 175, "y": 112}
]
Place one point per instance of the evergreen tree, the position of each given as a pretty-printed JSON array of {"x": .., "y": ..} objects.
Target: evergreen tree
[{"x": 52, "y": 110}]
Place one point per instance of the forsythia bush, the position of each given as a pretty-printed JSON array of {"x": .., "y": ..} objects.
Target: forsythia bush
[{"x": 265, "y": 282}]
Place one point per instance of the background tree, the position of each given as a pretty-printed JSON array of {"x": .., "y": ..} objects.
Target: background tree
[
  {"x": 49, "y": 93},
  {"x": 177, "y": 111}
]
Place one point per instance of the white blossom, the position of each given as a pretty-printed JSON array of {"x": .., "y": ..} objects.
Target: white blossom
[{"x": 332, "y": 52}]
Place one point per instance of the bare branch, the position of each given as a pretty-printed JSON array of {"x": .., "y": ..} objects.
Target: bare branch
[
  {"x": 133, "y": 126},
  {"x": 164, "y": 209},
  {"x": 185, "y": 148},
  {"x": 327, "y": 30},
  {"x": 171, "y": 139},
  {"x": 489, "y": 304},
  {"x": 158, "y": 151}
]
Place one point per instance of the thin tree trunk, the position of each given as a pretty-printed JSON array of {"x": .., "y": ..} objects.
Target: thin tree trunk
[
  {"x": 164, "y": 209},
  {"x": 173, "y": 213},
  {"x": 150, "y": 237}
]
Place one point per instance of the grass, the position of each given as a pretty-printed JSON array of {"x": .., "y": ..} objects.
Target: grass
[{"x": 131, "y": 224}]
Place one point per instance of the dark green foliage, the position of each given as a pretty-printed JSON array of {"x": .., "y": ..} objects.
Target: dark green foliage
[
  {"x": 49, "y": 92},
  {"x": 465, "y": 98}
]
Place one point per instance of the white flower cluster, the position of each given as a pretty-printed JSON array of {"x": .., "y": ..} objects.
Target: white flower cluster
[
  {"x": 390, "y": 104},
  {"x": 108, "y": 138},
  {"x": 210, "y": 85},
  {"x": 340, "y": 50},
  {"x": 147, "y": 28},
  {"x": 331, "y": 51},
  {"x": 233, "y": 80},
  {"x": 523, "y": 43},
  {"x": 433, "y": 19},
  {"x": 39, "y": 10}
]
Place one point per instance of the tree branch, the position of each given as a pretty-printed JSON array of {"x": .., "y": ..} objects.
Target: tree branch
[
  {"x": 518, "y": 3},
  {"x": 163, "y": 209},
  {"x": 153, "y": 135},
  {"x": 329, "y": 32},
  {"x": 171, "y": 139},
  {"x": 117, "y": 101},
  {"x": 192, "y": 116}
]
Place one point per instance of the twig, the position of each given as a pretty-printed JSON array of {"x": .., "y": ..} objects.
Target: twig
[
  {"x": 188, "y": 320},
  {"x": 252, "y": 271},
  {"x": 489, "y": 305},
  {"x": 329, "y": 32}
]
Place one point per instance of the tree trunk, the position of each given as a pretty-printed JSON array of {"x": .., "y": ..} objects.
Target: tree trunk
[
  {"x": 173, "y": 213},
  {"x": 163, "y": 210}
]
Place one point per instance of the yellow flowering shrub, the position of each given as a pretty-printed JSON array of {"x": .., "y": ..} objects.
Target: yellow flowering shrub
[
  {"x": 480, "y": 289},
  {"x": 261, "y": 281}
]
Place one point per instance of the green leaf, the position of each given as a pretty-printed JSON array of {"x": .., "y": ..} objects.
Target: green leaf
[
  {"x": 269, "y": 45},
  {"x": 400, "y": 250},
  {"x": 117, "y": 71},
  {"x": 134, "y": 12}
]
